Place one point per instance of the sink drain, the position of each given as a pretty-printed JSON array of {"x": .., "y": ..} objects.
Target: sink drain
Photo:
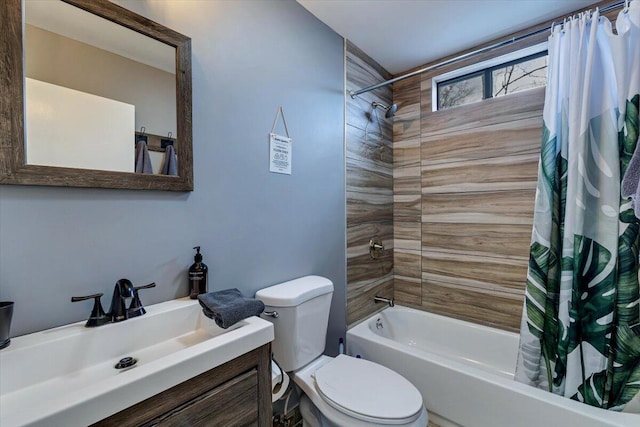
[{"x": 125, "y": 362}]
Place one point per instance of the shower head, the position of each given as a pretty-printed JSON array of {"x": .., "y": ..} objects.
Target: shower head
[{"x": 390, "y": 111}]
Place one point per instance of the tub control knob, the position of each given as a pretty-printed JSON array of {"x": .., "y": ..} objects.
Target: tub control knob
[{"x": 376, "y": 248}]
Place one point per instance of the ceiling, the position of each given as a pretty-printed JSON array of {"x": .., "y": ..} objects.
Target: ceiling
[{"x": 403, "y": 34}]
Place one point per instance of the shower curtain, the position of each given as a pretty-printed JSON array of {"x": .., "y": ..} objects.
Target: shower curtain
[{"x": 580, "y": 332}]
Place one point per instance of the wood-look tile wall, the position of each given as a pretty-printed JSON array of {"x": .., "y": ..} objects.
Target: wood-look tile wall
[
  {"x": 464, "y": 184},
  {"x": 407, "y": 188},
  {"x": 369, "y": 190},
  {"x": 464, "y": 247}
]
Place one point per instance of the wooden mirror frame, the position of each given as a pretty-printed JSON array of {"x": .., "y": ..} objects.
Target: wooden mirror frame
[{"x": 13, "y": 167}]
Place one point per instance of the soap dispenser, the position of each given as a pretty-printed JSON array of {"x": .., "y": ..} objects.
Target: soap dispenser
[{"x": 197, "y": 276}]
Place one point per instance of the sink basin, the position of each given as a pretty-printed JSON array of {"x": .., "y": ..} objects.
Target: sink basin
[{"x": 66, "y": 376}]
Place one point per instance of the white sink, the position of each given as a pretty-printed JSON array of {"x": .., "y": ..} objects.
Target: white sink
[{"x": 66, "y": 376}]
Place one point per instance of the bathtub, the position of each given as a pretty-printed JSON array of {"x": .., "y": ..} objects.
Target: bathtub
[{"x": 465, "y": 373}]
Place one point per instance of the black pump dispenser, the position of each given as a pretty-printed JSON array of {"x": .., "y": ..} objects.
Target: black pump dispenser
[{"x": 197, "y": 276}]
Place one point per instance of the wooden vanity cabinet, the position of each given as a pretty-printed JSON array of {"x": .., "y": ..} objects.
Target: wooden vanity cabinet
[{"x": 237, "y": 393}]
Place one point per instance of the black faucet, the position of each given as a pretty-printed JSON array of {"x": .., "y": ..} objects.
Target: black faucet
[
  {"x": 124, "y": 289},
  {"x": 118, "y": 312}
]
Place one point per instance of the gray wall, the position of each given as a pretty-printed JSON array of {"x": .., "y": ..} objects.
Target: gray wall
[{"x": 255, "y": 228}]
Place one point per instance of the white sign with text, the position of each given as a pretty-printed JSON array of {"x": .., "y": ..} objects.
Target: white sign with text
[{"x": 279, "y": 154}]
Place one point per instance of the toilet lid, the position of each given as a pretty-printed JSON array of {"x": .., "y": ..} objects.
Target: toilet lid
[{"x": 368, "y": 391}]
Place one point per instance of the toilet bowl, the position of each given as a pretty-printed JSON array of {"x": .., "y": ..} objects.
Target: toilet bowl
[{"x": 341, "y": 391}]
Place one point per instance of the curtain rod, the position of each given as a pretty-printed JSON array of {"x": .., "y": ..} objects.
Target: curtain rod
[{"x": 489, "y": 48}]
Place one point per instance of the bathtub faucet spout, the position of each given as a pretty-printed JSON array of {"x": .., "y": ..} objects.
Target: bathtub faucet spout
[{"x": 385, "y": 300}]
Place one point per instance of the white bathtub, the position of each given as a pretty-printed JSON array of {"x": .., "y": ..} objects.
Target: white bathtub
[{"x": 465, "y": 373}]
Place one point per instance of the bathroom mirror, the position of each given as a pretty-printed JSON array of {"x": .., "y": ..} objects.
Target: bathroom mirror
[{"x": 82, "y": 82}]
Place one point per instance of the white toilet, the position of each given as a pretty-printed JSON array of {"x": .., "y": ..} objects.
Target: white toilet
[{"x": 341, "y": 391}]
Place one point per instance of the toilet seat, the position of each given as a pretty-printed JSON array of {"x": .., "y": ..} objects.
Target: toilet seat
[{"x": 368, "y": 391}]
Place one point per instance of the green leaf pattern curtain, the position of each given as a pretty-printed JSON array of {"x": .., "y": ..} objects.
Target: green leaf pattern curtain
[{"x": 580, "y": 332}]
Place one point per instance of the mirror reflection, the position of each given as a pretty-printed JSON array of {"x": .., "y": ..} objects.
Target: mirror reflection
[{"x": 94, "y": 91}]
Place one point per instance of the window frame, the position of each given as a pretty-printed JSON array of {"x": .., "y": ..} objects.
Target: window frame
[{"x": 484, "y": 69}]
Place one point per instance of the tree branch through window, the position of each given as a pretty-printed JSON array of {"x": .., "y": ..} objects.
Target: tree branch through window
[{"x": 525, "y": 73}]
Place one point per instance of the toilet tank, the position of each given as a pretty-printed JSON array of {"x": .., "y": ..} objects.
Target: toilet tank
[{"x": 303, "y": 314}]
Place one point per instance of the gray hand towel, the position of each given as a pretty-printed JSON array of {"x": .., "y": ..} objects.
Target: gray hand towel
[
  {"x": 635, "y": 201},
  {"x": 143, "y": 160},
  {"x": 631, "y": 176},
  {"x": 229, "y": 307},
  {"x": 630, "y": 187},
  {"x": 170, "y": 166}
]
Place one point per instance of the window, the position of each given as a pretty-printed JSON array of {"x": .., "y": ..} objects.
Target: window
[
  {"x": 460, "y": 91},
  {"x": 504, "y": 78}
]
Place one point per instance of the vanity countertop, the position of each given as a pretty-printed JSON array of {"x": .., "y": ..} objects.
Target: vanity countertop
[{"x": 66, "y": 375}]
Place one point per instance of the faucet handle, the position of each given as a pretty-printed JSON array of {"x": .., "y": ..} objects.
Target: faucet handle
[
  {"x": 135, "y": 308},
  {"x": 98, "y": 316},
  {"x": 150, "y": 285}
]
